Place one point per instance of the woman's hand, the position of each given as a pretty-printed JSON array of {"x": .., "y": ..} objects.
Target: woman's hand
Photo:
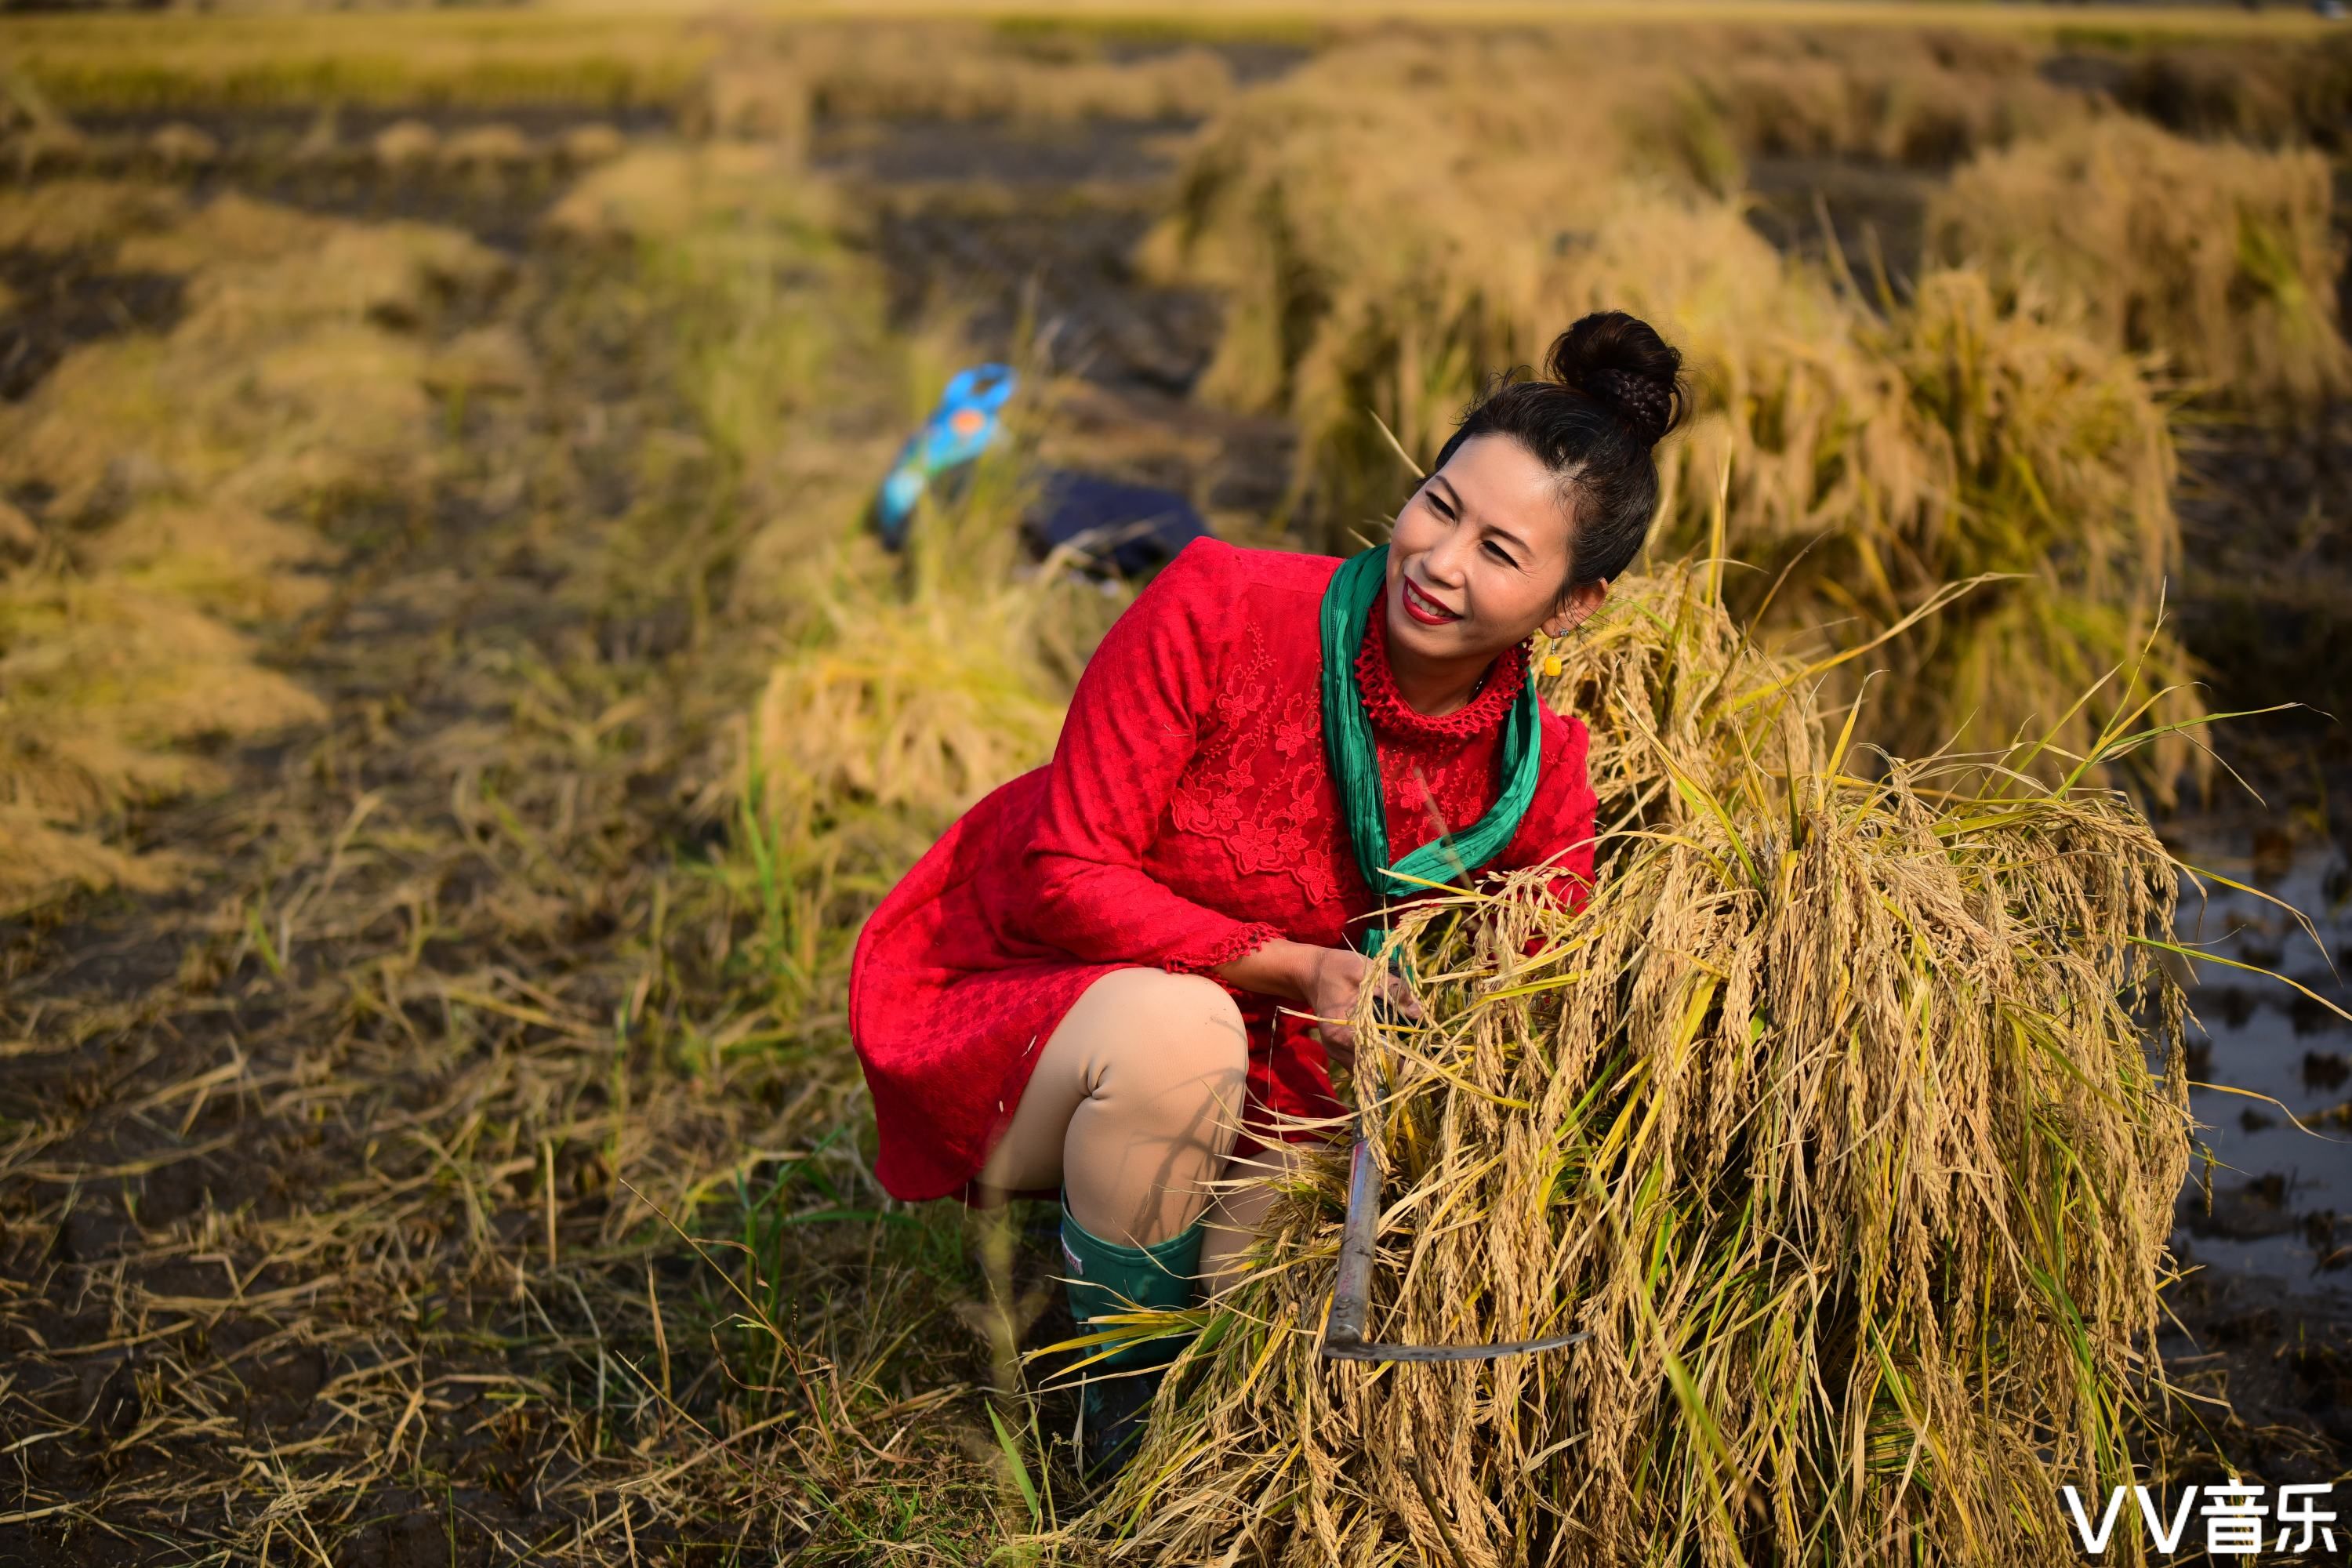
[
  {"x": 1325, "y": 980},
  {"x": 1337, "y": 973}
]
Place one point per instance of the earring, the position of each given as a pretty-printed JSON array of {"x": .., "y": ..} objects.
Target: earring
[{"x": 1552, "y": 665}]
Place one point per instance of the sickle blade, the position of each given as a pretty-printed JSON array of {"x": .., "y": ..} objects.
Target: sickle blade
[{"x": 1343, "y": 1332}]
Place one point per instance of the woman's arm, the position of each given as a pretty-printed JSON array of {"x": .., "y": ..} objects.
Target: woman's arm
[
  {"x": 1134, "y": 723},
  {"x": 1324, "y": 980}
]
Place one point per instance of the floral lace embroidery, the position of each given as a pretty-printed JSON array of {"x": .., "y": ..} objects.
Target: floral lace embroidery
[
  {"x": 1456, "y": 787},
  {"x": 1258, "y": 788},
  {"x": 1270, "y": 822}
]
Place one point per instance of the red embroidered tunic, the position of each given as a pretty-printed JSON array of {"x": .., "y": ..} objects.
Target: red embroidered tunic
[{"x": 1188, "y": 817}]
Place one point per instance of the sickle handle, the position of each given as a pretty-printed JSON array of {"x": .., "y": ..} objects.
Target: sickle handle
[{"x": 1351, "y": 1292}]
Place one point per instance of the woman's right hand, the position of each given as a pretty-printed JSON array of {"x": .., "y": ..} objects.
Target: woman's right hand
[{"x": 1325, "y": 979}]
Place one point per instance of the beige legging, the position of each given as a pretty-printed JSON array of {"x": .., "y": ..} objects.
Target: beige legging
[{"x": 1133, "y": 1109}]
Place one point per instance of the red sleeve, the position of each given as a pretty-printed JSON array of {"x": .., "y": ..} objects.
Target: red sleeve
[
  {"x": 1558, "y": 828},
  {"x": 1134, "y": 722}
]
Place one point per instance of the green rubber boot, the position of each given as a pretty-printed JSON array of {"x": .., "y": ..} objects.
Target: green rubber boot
[{"x": 1105, "y": 1277}]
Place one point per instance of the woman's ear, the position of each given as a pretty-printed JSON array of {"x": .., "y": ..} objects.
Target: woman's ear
[{"x": 1575, "y": 605}]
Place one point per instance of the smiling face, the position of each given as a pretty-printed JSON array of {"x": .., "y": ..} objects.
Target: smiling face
[{"x": 1479, "y": 557}]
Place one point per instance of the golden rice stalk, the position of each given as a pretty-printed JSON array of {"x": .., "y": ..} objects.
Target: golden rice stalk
[
  {"x": 922, "y": 697},
  {"x": 180, "y": 473},
  {"x": 82, "y": 213},
  {"x": 1847, "y": 1118},
  {"x": 1956, "y": 440},
  {"x": 929, "y": 703},
  {"x": 1893, "y": 95},
  {"x": 770, "y": 85},
  {"x": 1879, "y": 450},
  {"x": 2224, "y": 258},
  {"x": 39, "y": 860}
]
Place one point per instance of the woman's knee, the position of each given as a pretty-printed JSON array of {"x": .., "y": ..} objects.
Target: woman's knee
[
  {"x": 1167, "y": 1038},
  {"x": 1188, "y": 1022}
]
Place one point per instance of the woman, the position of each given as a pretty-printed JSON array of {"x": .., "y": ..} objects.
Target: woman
[{"x": 1105, "y": 977}]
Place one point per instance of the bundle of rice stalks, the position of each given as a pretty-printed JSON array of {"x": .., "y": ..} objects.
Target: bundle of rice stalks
[
  {"x": 899, "y": 704},
  {"x": 180, "y": 147},
  {"x": 961, "y": 70},
  {"x": 65, "y": 215},
  {"x": 1280, "y": 208},
  {"x": 394, "y": 59},
  {"x": 1954, "y": 440},
  {"x": 1893, "y": 95},
  {"x": 904, "y": 701},
  {"x": 928, "y": 697},
  {"x": 230, "y": 561},
  {"x": 2222, "y": 257},
  {"x": 297, "y": 371},
  {"x": 488, "y": 149},
  {"x": 1403, "y": 162},
  {"x": 1878, "y": 451},
  {"x": 770, "y": 85},
  {"x": 181, "y": 477},
  {"x": 2274, "y": 91},
  {"x": 662, "y": 193},
  {"x": 102, "y": 683},
  {"x": 1846, "y": 1119}
]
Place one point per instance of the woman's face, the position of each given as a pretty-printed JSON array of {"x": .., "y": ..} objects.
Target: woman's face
[{"x": 1479, "y": 554}]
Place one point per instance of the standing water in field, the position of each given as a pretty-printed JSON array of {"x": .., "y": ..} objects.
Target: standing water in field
[{"x": 2276, "y": 1202}]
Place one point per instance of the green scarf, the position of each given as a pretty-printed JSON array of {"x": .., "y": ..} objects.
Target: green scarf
[{"x": 1356, "y": 762}]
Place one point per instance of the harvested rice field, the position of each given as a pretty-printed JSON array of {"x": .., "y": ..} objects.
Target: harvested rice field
[{"x": 455, "y": 717}]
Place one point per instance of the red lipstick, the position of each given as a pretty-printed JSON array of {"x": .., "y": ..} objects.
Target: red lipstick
[{"x": 1422, "y": 607}]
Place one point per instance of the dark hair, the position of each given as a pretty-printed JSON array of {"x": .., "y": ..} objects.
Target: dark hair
[{"x": 1614, "y": 389}]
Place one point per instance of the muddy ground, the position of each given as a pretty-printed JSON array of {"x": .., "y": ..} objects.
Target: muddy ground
[
  {"x": 450, "y": 623},
  {"x": 194, "y": 1076}
]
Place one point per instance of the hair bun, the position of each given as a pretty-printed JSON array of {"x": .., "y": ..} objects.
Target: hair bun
[{"x": 1620, "y": 361}]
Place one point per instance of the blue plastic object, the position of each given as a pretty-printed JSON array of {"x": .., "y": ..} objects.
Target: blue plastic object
[{"x": 965, "y": 424}]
